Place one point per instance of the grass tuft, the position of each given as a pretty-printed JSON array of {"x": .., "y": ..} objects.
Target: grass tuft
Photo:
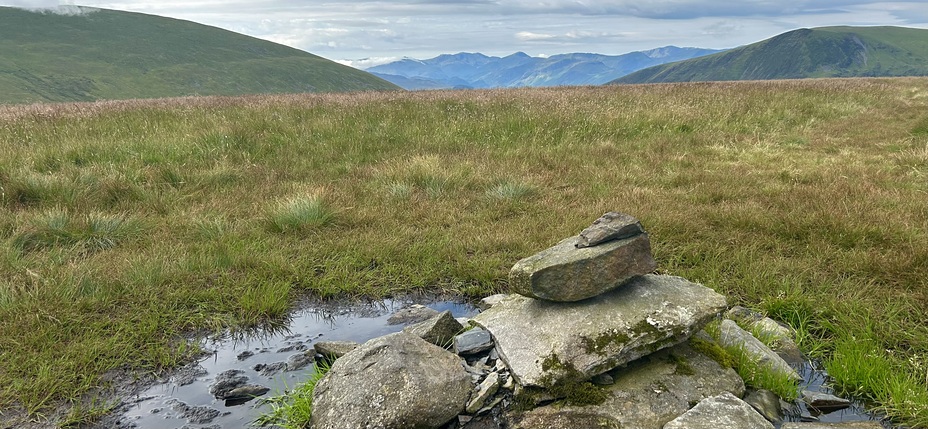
[
  {"x": 509, "y": 190},
  {"x": 300, "y": 213},
  {"x": 293, "y": 409}
]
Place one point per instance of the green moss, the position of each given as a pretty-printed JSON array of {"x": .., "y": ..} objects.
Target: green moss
[
  {"x": 569, "y": 385},
  {"x": 599, "y": 344},
  {"x": 713, "y": 350}
]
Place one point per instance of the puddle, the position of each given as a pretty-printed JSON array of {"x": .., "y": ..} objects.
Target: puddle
[
  {"x": 815, "y": 379},
  {"x": 157, "y": 408}
]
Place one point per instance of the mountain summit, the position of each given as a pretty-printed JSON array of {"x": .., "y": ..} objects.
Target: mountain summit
[
  {"x": 475, "y": 70},
  {"x": 806, "y": 53}
]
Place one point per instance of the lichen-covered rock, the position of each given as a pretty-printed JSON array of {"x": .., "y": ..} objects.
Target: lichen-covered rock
[
  {"x": 392, "y": 382},
  {"x": 646, "y": 394},
  {"x": 545, "y": 342},
  {"x": 565, "y": 273},
  {"x": 722, "y": 411}
]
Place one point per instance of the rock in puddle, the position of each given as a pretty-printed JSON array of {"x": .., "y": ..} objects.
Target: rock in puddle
[
  {"x": 300, "y": 360},
  {"x": 195, "y": 415},
  {"x": 226, "y": 381},
  {"x": 270, "y": 369},
  {"x": 823, "y": 401},
  {"x": 412, "y": 314},
  {"x": 188, "y": 374}
]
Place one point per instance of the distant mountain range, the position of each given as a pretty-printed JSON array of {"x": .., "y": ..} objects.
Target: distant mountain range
[
  {"x": 474, "y": 70},
  {"x": 81, "y": 54},
  {"x": 806, "y": 53}
]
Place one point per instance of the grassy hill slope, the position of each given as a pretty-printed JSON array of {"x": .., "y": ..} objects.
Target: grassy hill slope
[
  {"x": 105, "y": 54},
  {"x": 806, "y": 53}
]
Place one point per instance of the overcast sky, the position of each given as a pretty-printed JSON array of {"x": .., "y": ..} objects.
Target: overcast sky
[{"x": 380, "y": 31}]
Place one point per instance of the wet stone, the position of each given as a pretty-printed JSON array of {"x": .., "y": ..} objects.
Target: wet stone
[
  {"x": 249, "y": 391},
  {"x": 472, "y": 342},
  {"x": 270, "y": 369},
  {"x": 824, "y": 402},
  {"x": 188, "y": 374},
  {"x": 226, "y": 381},
  {"x": 766, "y": 403},
  {"x": 245, "y": 355},
  {"x": 299, "y": 361},
  {"x": 195, "y": 415}
]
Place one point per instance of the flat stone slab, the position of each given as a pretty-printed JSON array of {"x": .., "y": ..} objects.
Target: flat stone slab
[
  {"x": 610, "y": 226},
  {"x": 565, "y": 273},
  {"x": 646, "y": 394},
  {"x": 722, "y": 411},
  {"x": 546, "y": 342}
]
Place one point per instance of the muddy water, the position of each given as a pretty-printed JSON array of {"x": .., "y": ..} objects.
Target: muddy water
[{"x": 157, "y": 407}]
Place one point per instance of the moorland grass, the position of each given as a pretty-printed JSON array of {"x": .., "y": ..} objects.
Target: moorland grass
[{"x": 804, "y": 199}]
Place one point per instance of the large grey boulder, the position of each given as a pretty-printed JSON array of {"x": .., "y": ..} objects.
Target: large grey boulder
[
  {"x": 646, "y": 394},
  {"x": 722, "y": 411},
  {"x": 731, "y": 335},
  {"x": 545, "y": 342},
  {"x": 392, "y": 382},
  {"x": 566, "y": 273}
]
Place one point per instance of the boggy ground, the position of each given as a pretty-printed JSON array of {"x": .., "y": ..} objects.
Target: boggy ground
[{"x": 125, "y": 226}]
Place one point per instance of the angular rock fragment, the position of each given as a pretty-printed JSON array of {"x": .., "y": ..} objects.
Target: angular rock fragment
[
  {"x": 610, "y": 226},
  {"x": 565, "y": 273},
  {"x": 439, "y": 330},
  {"x": 545, "y": 342},
  {"x": 823, "y": 401},
  {"x": 472, "y": 342},
  {"x": 485, "y": 391},
  {"x": 722, "y": 411},
  {"x": 395, "y": 381},
  {"x": 226, "y": 381}
]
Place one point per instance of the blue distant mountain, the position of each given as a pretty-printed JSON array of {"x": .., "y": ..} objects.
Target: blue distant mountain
[{"x": 475, "y": 70}]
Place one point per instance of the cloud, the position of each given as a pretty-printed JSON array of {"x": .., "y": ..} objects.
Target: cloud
[
  {"x": 49, "y": 6},
  {"x": 366, "y": 63},
  {"x": 528, "y": 36}
]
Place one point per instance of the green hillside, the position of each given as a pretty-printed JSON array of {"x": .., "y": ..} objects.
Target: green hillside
[
  {"x": 805, "y": 53},
  {"x": 106, "y": 54}
]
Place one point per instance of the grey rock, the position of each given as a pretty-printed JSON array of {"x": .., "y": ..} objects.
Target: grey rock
[
  {"x": 247, "y": 391},
  {"x": 439, "y": 330},
  {"x": 188, "y": 374},
  {"x": 300, "y": 360},
  {"x": 575, "y": 341},
  {"x": 766, "y": 403},
  {"x": 491, "y": 300},
  {"x": 270, "y": 369},
  {"x": 245, "y": 355},
  {"x": 296, "y": 346},
  {"x": 610, "y": 226},
  {"x": 412, "y": 314},
  {"x": 485, "y": 390},
  {"x": 334, "y": 349},
  {"x": 395, "y": 381},
  {"x": 722, "y": 411},
  {"x": 843, "y": 425},
  {"x": 783, "y": 337},
  {"x": 731, "y": 335},
  {"x": 565, "y": 273},
  {"x": 226, "y": 381},
  {"x": 647, "y": 393},
  {"x": 824, "y": 401},
  {"x": 195, "y": 415},
  {"x": 473, "y": 341}
]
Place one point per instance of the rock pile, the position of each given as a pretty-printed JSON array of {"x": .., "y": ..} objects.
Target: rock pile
[{"x": 590, "y": 327}]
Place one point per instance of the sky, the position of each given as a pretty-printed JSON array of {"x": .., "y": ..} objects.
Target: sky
[{"x": 365, "y": 33}]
